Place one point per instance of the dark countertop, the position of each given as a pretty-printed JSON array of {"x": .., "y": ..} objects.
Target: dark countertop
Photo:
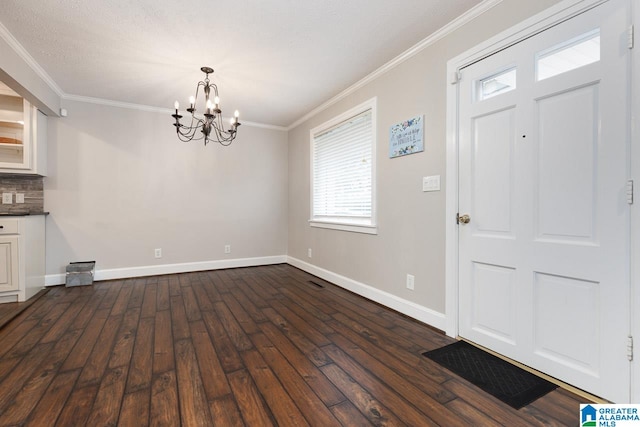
[{"x": 23, "y": 213}]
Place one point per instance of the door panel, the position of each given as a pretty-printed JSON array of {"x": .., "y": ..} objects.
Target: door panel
[
  {"x": 555, "y": 299},
  {"x": 543, "y": 264},
  {"x": 567, "y": 153},
  {"x": 493, "y": 295},
  {"x": 492, "y": 163}
]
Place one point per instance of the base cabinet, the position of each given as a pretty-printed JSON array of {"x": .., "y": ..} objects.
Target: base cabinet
[{"x": 22, "y": 257}]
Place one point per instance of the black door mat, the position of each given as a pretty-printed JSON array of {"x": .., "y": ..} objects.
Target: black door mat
[{"x": 509, "y": 383}]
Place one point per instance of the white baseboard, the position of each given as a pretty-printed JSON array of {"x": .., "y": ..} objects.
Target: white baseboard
[
  {"x": 411, "y": 309},
  {"x": 155, "y": 270}
]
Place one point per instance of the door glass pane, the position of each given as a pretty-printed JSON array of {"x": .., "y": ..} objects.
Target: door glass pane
[
  {"x": 569, "y": 55},
  {"x": 497, "y": 84}
]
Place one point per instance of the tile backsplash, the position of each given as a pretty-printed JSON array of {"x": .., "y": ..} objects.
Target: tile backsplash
[{"x": 31, "y": 186}]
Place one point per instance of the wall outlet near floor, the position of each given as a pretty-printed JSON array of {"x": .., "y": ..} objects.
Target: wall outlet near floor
[
  {"x": 227, "y": 249},
  {"x": 410, "y": 281},
  {"x": 309, "y": 252},
  {"x": 19, "y": 197},
  {"x": 7, "y": 198},
  {"x": 158, "y": 253}
]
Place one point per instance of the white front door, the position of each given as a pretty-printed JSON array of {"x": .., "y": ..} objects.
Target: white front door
[{"x": 543, "y": 260}]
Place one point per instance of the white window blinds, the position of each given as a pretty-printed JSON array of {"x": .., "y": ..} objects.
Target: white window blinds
[{"x": 342, "y": 171}]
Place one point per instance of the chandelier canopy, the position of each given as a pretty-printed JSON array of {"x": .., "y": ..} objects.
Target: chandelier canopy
[{"x": 209, "y": 125}]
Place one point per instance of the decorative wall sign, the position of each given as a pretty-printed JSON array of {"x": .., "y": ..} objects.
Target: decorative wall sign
[{"x": 406, "y": 137}]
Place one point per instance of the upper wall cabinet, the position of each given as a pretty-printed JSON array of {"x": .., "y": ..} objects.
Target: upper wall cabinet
[{"x": 23, "y": 134}]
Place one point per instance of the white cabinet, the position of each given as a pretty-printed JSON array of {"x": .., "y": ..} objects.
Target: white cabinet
[
  {"x": 22, "y": 262},
  {"x": 23, "y": 134},
  {"x": 9, "y": 263}
]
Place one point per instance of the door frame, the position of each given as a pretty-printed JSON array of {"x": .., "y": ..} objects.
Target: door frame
[
  {"x": 634, "y": 159},
  {"x": 560, "y": 12}
]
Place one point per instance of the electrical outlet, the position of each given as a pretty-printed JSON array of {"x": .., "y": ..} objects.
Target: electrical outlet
[
  {"x": 19, "y": 197},
  {"x": 158, "y": 253},
  {"x": 227, "y": 249},
  {"x": 410, "y": 281},
  {"x": 309, "y": 252},
  {"x": 7, "y": 198}
]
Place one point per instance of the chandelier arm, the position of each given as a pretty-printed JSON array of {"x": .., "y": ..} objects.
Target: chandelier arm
[
  {"x": 219, "y": 124},
  {"x": 190, "y": 129},
  {"x": 222, "y": 134},
  {"x": 219, "y": 136},
  {"x": 183, "y": 138},
  {"x": 187, "y": 136},
  {"x": 232, "y": 131},
  {"x": 215, "y": 88},
  {"x": 195, "y": 102}
]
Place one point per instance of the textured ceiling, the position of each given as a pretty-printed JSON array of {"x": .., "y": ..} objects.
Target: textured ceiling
[{"x": 274, "y": 60}]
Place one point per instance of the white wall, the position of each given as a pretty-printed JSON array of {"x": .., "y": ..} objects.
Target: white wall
[
  {"x": 120, "y": 184},
  {"x": 411, "y": 224}
]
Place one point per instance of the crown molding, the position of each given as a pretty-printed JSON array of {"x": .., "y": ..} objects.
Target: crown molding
[
  {"x": 463, "y": 19},
  {"x": 118, "y": 104},
  {"x": 151, "y": 109},
  {"x": 26, "y": 57}
]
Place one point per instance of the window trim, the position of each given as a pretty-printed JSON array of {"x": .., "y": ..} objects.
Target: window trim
[{"x": 368, "y": 226}]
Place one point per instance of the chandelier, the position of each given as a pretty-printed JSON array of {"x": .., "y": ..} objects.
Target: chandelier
[{"x": 209, "y": 125}]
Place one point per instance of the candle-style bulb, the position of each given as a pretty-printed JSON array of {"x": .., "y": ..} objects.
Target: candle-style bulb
[
  {"x": 192, "y": 100},
  {"x": 209, "y": 105},
  {"x": 176, "y": 105},
  {"x": 216, "y": 101},
  {"x": 236, "y": 114}
]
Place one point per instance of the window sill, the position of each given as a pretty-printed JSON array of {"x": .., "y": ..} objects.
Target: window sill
[{"x": 345, "y": 226}]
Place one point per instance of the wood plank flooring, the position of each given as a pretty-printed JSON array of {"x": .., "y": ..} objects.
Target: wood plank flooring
[
  {"x": 10, "y": 310},
  {"x": 258, "y": 346}
]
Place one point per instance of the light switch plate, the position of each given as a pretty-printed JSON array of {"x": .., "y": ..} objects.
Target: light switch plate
[
  {"x": 431, "y": 183},
  {"x": 7, "y": 198},
  {"x": 19, "y": 197}
]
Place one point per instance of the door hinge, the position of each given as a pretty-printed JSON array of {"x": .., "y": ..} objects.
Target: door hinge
[
  {"x": 631, "y": 37},
  {"x": 630, "y": 191},
  {"x": 630, "y": 348},
  {"x": 456, "y": 77},
  {"x": 458, "y": 218}
]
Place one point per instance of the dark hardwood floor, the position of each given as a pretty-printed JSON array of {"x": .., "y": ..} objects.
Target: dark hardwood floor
[
  {"x": 254, "y": 346},
  {"x": 10, "y": 310}
]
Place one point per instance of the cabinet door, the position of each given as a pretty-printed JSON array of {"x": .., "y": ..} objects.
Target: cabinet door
[
  {"x": 15, "y": 133},
  {"x": 9, "y": 263}
]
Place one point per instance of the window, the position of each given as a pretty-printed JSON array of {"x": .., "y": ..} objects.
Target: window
[
  {"x": 575, "y": 53},
  {"x": 343, "y": 171},
  {"x": 497, "y": 84}
]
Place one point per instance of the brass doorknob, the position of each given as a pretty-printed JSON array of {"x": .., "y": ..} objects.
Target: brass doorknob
[{"x": 464, "y": 219}]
